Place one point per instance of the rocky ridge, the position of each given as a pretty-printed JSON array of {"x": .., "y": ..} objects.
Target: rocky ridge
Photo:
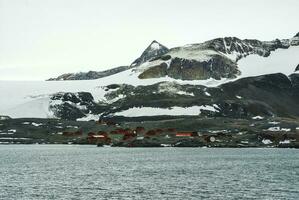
[{"x": 89, "y": 75}]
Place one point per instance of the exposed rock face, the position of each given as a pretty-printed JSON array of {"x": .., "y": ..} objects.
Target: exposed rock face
[
  {"x": 218, "y": 67},
  {"x": 295, "y": 40},
  {"x": 297, "y": 68},
  {"x": 155, "y": 72},
  {"x": 89, "y": 75},
  {"x": 153, "y": 50},
  {"x": 72, "y": 106},
  {"x": 275, "y": 93},
  {"x": 295, "y": 80},
  {"x": 229, "y": 45}
]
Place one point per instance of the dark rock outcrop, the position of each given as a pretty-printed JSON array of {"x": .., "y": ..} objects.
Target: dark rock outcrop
[
  {"x": 217, "y": 68},
  {"x": 274, "y": 94},
  {"x": 72, "y": 106},
  {"x": 295, "y": 80},
  {"x": 89, "y": 75}
]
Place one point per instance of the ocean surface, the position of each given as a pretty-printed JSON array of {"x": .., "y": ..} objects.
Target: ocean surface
[{"x": 89, "y": 172}]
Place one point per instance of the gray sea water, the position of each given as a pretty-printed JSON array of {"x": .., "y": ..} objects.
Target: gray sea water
[{"x": 88, "y": 172}]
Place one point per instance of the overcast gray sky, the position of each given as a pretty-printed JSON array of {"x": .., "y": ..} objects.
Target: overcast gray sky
[{"x": 44, "y": 38}]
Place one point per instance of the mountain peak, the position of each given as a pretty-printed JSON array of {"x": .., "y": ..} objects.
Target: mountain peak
[
  {"x": 155, "y": 45},
  {"x": 297, "y": 35},
  {"x": 153, "y": 50}
]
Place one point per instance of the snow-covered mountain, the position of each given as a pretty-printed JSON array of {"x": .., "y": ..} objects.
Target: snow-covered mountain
[
  {"x": 215, "y": 59},
  {"x": 189, "y": 80}
]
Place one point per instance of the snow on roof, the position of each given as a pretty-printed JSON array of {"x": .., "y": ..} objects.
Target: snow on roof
[{"x": 98, "y": 136}]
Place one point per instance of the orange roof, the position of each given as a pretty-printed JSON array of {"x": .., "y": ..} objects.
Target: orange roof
[{"x": 183, "y": 134}]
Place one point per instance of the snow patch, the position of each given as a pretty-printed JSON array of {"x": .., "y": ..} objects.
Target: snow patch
[
  {"x": 72, "y": 127},
  {"x": 89, "y": 117},
  {"x": 4, "y": 117},
  {"x": 9, "y": 138},
  {"x": 207, "y": 94},
  {"x": 110, "y": 101},
  {"x": 277, "y": 128},
  {"x": 266, "y": 141},
  {"x": 155, "y": 46},
  {"x": 280, "y": 61},
  {"x": 175, "y": 111},
  {"x": 185, "y": 93},
  {"x": 274, "y": 123},
  {"x": 193, "y": 52},
  {"x": 6, "y": 133},
  {"x": 285, "y": 142},
  {"x": 165, "y": 145},
  {"x": 36, "y": 124},
  {"x": 258, "y": 117},
  {"x": 38, "y": 108}
]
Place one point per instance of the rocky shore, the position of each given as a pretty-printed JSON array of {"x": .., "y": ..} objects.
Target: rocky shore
[{"x": 189, "y": 131}]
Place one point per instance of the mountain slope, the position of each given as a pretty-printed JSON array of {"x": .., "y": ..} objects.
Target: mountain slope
[
  {"x": 266, "y": 96},
  {"x": 182, "y": 91}
]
